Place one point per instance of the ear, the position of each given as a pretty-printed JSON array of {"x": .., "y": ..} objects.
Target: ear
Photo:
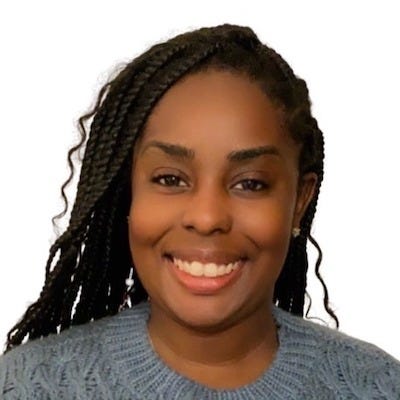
[{"x": 305, "y": 193}]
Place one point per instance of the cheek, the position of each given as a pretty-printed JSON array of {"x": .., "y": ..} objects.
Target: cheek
[
  {"x": 146, "y": 221},
  {"x": 145, "y": 226},
  {"x": 149, "y": 218},
  {"x": 269, "y": 221},
  {"x": 268, "y": 225}
]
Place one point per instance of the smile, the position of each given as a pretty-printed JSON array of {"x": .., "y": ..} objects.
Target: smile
[
  {"x": 196, "y": 268},
  {"x": 217, "y": 270}
]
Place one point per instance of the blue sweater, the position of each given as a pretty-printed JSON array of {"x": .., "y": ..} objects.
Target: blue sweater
[{"x": 112, "y": 358}]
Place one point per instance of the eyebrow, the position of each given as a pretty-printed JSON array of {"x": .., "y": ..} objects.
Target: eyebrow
[
  {"x": 174, "y": 150},
  {"x": 184, "y": 153},
  {"x": 248, "y": 154}
]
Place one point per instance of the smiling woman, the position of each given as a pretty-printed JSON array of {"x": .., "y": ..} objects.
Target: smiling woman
[
  {"x": 234, "y": 202},
  {"x": 198, "y": 189}
]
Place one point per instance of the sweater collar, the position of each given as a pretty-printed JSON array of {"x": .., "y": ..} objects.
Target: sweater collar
[{"x": 143, "y": 371}]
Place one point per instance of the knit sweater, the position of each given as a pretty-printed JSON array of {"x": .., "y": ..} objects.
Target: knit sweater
[{"x": 112, "y": 358}]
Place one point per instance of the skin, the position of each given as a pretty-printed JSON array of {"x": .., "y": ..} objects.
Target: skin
[{"x": 226, "y": 208}]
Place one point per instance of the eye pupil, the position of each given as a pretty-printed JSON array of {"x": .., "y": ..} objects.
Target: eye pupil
[
  {"x": 168, "y": 180},
  {"x": 251, "y": 184},
  {"x": 171, "y": 180}
]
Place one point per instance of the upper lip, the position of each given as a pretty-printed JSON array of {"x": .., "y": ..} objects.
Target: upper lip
[{"x": 205, "y": 256}]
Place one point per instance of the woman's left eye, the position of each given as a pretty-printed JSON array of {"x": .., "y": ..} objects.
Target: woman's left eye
[{"x": 252, "y": 185}]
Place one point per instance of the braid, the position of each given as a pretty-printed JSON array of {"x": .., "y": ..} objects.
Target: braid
[
  {"x": 93, "y": 253},
  {"x": 78, "y": 146},
  {"x": 325, "y": 289},
  {"x": 102, "y": 128}
]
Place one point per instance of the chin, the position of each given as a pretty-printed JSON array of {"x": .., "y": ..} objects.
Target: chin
[{"x": 204, "y": 313}]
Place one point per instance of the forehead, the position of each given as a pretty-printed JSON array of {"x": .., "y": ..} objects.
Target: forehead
[{"x": 217, "y": 107}]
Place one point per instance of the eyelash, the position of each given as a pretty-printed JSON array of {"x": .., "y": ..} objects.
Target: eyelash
[{"x": 157, "y": 179}]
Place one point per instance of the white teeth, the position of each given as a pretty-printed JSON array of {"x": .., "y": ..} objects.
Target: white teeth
[
  {"x": 194, "y": 268},
  {"x": 210, "y": 270},
  {"x": 221, "y": 270},
  {"x": 197, "y": 268},
  {"x": 179, "y": 263}
]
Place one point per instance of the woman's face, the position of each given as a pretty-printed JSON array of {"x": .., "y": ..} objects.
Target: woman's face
[{"x": 215, "y": 195}]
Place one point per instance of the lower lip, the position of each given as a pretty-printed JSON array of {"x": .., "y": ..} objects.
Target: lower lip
[{"x": 204, "y": 285}]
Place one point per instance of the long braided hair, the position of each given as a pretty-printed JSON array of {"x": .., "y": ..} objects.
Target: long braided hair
[{"x": 89, "y": 263}]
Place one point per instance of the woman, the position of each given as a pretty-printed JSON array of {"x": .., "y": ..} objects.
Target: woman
[{"x": 198, "y": 188}]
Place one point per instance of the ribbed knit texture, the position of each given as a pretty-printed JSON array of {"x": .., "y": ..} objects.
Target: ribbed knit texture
[{"x": 112, "y": 358}]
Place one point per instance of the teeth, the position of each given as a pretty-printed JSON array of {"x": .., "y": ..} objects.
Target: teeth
[
  {"x": 210, "y": 270},
  {"x": 229, "y": 268},
  {"x": 221, "y": 269},
  {"x": 197, "y": 268},
  {"x": 194, "y": 268}
]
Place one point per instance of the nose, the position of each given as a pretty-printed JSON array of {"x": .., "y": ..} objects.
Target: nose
[{"x": 207, "y": 211}]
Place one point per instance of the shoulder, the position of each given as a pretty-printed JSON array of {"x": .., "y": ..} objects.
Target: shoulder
[
  {"x": 73, "y": 340},
  {"x": 35, "y": 369},
  {"x": 345, "y": 361}
]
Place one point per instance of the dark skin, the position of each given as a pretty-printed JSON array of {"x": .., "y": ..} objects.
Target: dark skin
[{"x": 215, "y": 176}]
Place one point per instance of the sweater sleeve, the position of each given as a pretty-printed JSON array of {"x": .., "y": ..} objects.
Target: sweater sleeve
[{"x": 365, "y": 371}]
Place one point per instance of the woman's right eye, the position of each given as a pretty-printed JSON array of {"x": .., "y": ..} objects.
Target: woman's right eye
[{"x": 169, "y": 180}]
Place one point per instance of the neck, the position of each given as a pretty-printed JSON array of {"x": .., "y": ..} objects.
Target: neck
[{"x": 213, "y": 358}]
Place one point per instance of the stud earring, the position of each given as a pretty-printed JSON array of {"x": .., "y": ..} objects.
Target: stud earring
[
  {"x": 296, "y": 232},
  {"x": 129, "y": 282}
]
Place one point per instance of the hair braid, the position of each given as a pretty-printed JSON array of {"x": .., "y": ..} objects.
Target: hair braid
[
  {"x": 80, "y": 144},
  {"x": 93, "y": 250},
  {"x": 106, "y": 115}
]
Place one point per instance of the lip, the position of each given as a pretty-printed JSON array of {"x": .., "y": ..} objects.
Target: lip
[
  {"x": 201, "y": 285},
  {"x": 206, "y": 256}
]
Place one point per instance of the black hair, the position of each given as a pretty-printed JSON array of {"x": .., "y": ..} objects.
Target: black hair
[{"x": 89, "y": 262}]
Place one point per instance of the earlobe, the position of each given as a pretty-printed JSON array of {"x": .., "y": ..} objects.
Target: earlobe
[{"x": 306, "y": 191}]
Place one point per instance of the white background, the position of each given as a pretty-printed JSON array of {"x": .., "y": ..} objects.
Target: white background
[{"x": 55, "y": 56}]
